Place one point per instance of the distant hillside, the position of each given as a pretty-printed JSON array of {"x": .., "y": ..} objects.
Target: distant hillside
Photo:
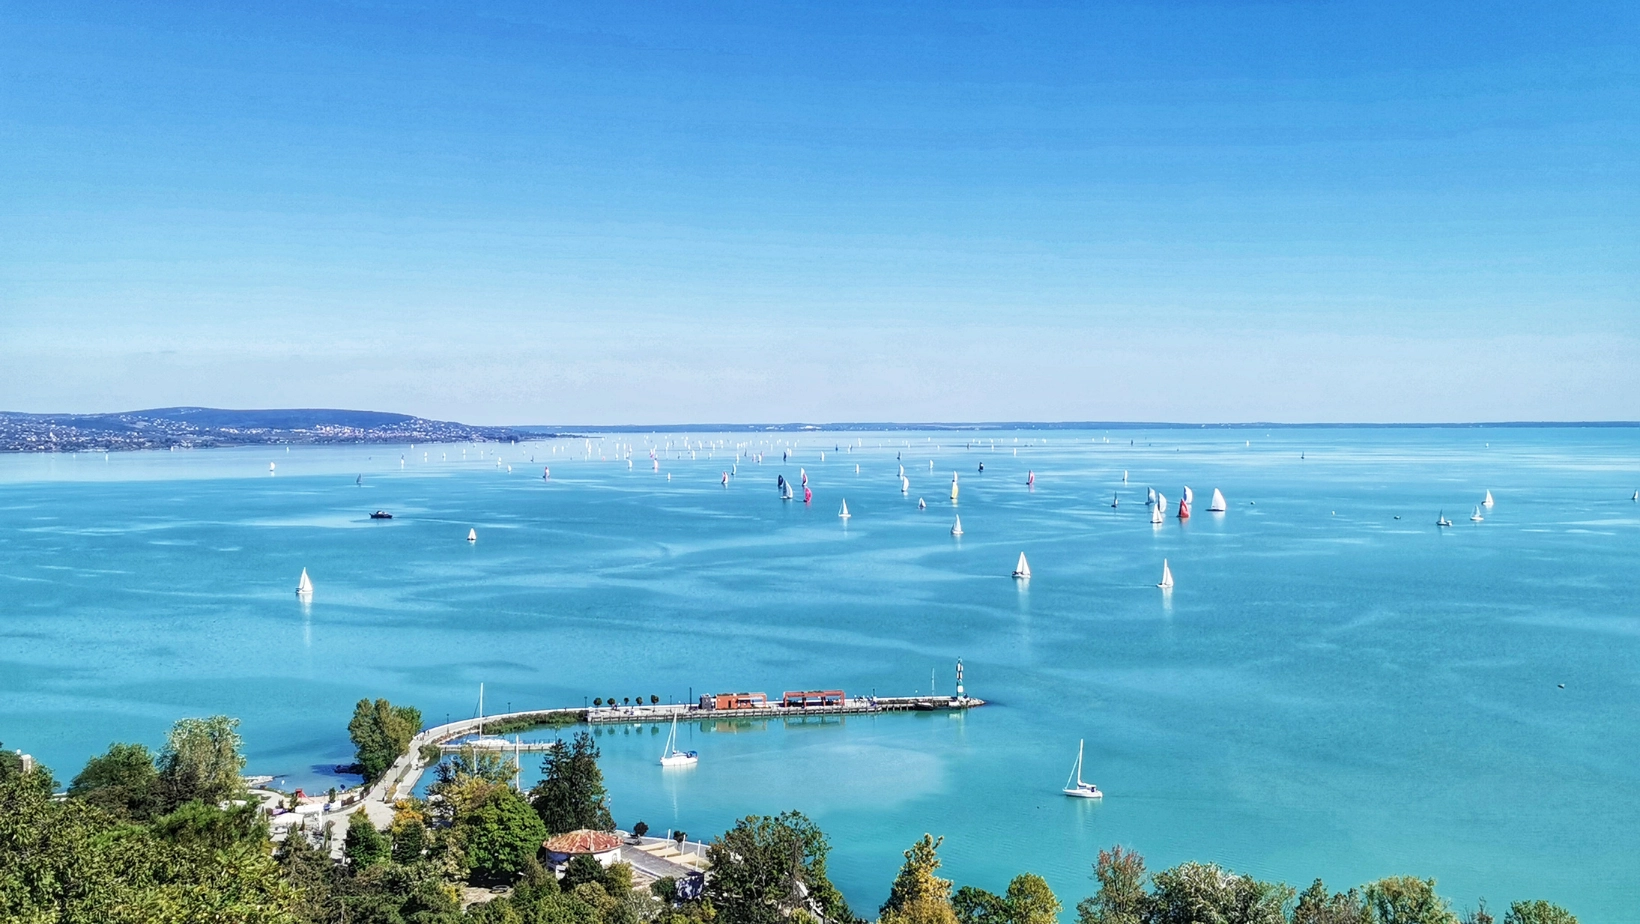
[{"x": 196, "y": 427}]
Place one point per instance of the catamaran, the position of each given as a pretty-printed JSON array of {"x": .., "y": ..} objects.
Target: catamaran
[
  {"x": 1489, "y": 501},
  {"x": 304, "y": 585},
  {"x": 1022, "y": 570},
  {"x": 844, "y": 514},
  {"x": 1216, "y": 505},
  {"x": 956, "y": 528},
  {"x": 1075, "y": 786},
  {"x": 1166, "y": 583},
  {"x": 672, "y": 757}
]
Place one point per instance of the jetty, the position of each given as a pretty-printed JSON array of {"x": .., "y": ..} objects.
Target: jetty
[{"x": 401, "y": 778}]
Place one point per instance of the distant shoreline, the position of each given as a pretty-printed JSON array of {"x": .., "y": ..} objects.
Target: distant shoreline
[{"x": 536, "y": 431}]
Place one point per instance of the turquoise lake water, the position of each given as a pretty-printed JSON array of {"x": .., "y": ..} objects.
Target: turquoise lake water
[{"x": 1328, "y": 691}]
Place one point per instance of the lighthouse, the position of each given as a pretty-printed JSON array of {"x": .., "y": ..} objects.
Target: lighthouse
[{"x": 960, "y": 696}]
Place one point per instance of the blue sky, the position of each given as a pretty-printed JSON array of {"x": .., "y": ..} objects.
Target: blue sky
[{"x": 674, "y": 212}]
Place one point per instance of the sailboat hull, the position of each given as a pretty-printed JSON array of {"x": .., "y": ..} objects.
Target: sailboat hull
[{"x": 1088, "y": 791}]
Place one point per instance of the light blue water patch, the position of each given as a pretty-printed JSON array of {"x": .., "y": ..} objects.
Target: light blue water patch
[{"x": 1327, "y": 691}]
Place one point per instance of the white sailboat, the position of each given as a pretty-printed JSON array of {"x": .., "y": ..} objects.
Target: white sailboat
[
  {"x": 956, "y": 528},
  {"x": 1166, "y": 583},
  {"x": 1216, "y": 505},
  {"x": 844, "y": 514},
  {"x": 1476, "y": 516},
  {"x": 304, "y": 585},
  {"x": 672, "y": 757},
  {"x": 1441, "y": 520},
  {"x": 922, "y": 504},
  {"x": 1075, "y": 786},
  {"x": 905, "y": 485},
  {"x": 1489, "y": 501},
  {"x": 472, "y": 535},
  {"x": 1114, "y": 500},
  {"x": 953, "y": 487},
  {"x": 1156, "y": 509},
  {"x": 1023, "y": 569},
  {"x": 1150, "y": 497}
]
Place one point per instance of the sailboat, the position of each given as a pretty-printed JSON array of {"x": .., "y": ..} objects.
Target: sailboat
[
  {"x": 1166, "y": 583},
  {"x": 1441, "y": 520},
  {"x": 1074, "y": 785},
  {"x": 1150, "y": 497},
  {"x": 1156, "y": 509},
  {"x": 1022, "y": 570},
  {"x": 922, "y": 504},
  {"x": 785, "y": 490},
  {"x": 1114, "y": 500},
  {"x": 1489, "y": 501},
  {"x": 1184, "y": 509},
  {"x": 304, "y": 585},
  {"x": 472, "y": 535},
  {"x": 844, "y": 514},
  {"x": 1030, "y": 479},
  {"x": 1216, "y": 505},
  {"x": 672, "y": 757},
  {"x": 1476, "y": 516},
  {"x": 905, "y": 485},
  {"x": 359, "y": 481},
  {"x": 956, "y": 528},
  {"x": 807, "y": 494},
  {"x": 953, "y": 487}
]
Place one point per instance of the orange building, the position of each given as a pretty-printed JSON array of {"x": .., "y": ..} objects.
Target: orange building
[{"x": 732, "y": 701}]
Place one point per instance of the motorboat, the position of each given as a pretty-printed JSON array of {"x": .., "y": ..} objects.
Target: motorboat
[{"x": 381, "y": 515}]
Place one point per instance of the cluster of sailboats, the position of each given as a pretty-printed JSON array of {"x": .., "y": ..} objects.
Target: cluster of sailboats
[
  {"x": 1476, "y": 517},
  {"x": 1157, "y": 502}
]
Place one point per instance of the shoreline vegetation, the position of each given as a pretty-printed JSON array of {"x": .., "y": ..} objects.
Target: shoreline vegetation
[
  {"x": 179, "y": 836},
  {"x": 203, "y": 428}
]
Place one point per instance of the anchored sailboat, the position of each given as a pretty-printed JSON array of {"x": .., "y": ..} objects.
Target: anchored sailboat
[
  {"x": 304, "y": 585},
  {"x": 672, "y": 757},
  {"x": 1022, "y": 570},
  {"x": 1166, "y": 583},
  {"x": 1075, "y": 786},
  {"x": 1216, "y": 505},
  {"x": 956, "y": 528}
]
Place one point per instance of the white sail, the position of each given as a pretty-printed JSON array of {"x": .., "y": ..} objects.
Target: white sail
[
  {"x": 1476, "y": 516},
  {"x": 672, "y": 757},
  {"x": 953, "y": 485},
  {"x": 905, "y": 485},
  {"x": 1217, "y": 504},
  {"x": 1167, "y": 576},
  {"x": 1023, "y": 569},
  {"x": 472, "y": 535},
  {"x": 844, "y": 512},
  {"x": 304, "y": 584},
  {"x": 1489, "y": 501},
  {"x": 1189, "y": 495},
  {"x": 922, "y": 504},
  {"x": 1075, "y": 785},
  {"x": 1150, "y": 495},
  {"x": 956, "y": 528},
  {"x": 1156, "y": 514}
]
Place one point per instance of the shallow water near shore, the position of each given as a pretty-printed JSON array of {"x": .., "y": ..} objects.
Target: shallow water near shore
[{"x": 1328, "y": 691}]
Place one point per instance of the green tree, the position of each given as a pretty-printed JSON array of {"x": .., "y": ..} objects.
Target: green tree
[
  {"x": 917, "y": 895},
  {"x": 1316, "y": 906},
  {"x": 122, "y": 780},
  {"x": 465, "y": 779},
  {"x": 500, "y": 836},
  {"x": 1192, "y": 892},
  {"x": 1121, "y": 898},
  {"x": 201, "y": 761},
  {"x": 767, "y": 870},
  {"x": 213, "y": 827},
  {"x": 381, "y": 732},
  {"x": 974, "y": 905},
  {"x": 11, "y": 767},
  {"x": 1030, "y": 901},
  {"x": 571, "y": 794},
  {"x": 1408, "y": 900},
  {"x": 364, "y": 846},
  {"x": 1538, "y": 911}
]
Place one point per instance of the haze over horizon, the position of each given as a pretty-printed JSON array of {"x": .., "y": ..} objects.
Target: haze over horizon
[{"x": 499, "y": 214}]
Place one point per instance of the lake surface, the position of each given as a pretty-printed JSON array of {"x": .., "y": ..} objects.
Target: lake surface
[{"x": 1328, "y": 691}]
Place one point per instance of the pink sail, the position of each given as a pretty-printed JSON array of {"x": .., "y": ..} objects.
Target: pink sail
[{"x": 1184, "y": 509}]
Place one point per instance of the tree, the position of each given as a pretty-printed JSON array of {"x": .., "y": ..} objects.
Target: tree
[
  {"x": 1408, "y": 900},
  {"x": 766, "y": 870},
  {"x": 1193, "y": 892},
  {"x": 201, "y": 761},
  {"x": 1121, "y": 897},
  {"x": 381, "y": 732},
  {"x": 1538, "y": 911},
  {"x": 122, "y": 780},
  {"x": 365, "y": 846},
  {"x": 640, "y": 829},
  {"x": 977, "y": 906},
  {"x": 917, "y": 895},
  {"x": 571, "y": 794},
  {"x": 465, "y": 779},
  {"x": 1030, "y": 901},
  {"x": 500, "y": 836},
  {"x": 1315, "y": 906},
  {"x": 11, "y": 768}
]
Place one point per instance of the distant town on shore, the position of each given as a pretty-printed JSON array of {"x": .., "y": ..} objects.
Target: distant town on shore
[{"x": 203, "y": 427}]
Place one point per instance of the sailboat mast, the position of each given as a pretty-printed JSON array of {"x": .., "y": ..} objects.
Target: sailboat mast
[{"x": 481, "y": 710}]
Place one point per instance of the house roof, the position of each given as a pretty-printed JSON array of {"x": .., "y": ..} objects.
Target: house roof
[{"x": 582, "y": 841}]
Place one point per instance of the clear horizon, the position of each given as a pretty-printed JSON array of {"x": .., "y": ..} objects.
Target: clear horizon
[{"x": 490, "y": 213}]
